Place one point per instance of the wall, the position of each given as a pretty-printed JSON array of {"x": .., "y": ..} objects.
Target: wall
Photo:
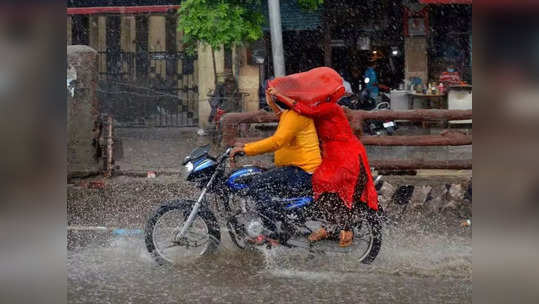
[{"x": 247, "y": 77}]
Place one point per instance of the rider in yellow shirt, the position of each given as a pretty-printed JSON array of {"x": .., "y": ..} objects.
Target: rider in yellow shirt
[
  {"x": 297, "y": 155},
  {"x": 295, "y": 143}
]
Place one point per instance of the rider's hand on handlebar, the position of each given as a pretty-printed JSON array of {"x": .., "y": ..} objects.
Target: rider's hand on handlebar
[{"x": 237, "y": 150}]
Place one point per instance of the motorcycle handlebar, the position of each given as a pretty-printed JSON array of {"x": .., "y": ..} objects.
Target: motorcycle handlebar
[
  {"x": 239, "y": 154},
  {"x": 227, "y": 153}
]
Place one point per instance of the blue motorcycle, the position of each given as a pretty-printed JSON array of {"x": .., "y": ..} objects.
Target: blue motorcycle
[{"x": 183, "y": 229}]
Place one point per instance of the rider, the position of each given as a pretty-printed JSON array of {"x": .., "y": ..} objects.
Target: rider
[
  {"x": 344, "y": 178},
  {"x": 297, "y": 155},
  {"x": 372, "y": 84}
]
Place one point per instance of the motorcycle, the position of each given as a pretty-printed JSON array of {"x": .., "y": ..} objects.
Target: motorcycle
[
  {"x": 183, "y": 228},
  {"x": 216, "y": 112},
  {"x": 218, "y": 109},
  {"x": 365, "y": 102}
]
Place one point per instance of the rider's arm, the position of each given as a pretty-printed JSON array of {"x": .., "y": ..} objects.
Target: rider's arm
[{"x": 289, "y": 125}]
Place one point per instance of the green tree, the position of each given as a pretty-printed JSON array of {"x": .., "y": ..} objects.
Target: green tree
[
  {"x": 219, "y": 23},
  {"x": 224, "y": 23},
  {"x": 310, "y": 4}
]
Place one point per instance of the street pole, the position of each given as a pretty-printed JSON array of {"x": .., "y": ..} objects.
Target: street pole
[{"x": 276, "y": 38}]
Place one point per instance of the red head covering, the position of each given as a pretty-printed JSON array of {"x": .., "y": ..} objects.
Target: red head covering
[{"x": 312, "y": 87}]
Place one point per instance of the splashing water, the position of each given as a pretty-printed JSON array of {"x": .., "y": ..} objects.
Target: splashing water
[{"x": 414, "y": 265}]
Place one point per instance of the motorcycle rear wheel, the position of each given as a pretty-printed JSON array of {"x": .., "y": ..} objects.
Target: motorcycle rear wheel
[
  {"x": 375, "y": 224},
  {"x": 202, "y": 238},
  {"x": 366, "y": 243}
]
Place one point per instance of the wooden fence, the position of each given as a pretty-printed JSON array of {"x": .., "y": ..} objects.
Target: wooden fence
[{"x": 231, "y": 130}]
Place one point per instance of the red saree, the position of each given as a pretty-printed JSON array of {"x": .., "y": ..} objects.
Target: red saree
[{"x": 315, "y": 94}]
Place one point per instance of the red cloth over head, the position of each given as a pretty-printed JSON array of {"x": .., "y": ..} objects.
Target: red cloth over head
[
  {"x": 312, "y": 87},
  {"x": 315, "y": 94}
]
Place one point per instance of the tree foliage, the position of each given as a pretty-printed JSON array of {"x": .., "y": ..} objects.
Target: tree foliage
[
  {"x": 310, "y": 4},
  {"x": 220, "y": 22},
  {"x": 224, "y": 22}
]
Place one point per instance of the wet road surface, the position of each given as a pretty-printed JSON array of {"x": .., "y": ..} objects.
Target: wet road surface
[{"x": 416, "y": 265}]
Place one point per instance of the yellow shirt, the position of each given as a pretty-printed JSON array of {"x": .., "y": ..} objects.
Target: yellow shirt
[{"x": 295, "y": 143}]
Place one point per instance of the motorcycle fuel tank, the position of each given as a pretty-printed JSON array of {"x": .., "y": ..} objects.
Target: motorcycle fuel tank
[{"x": 241, "y": 178}]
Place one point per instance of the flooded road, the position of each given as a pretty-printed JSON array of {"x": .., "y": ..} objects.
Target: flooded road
[{"x": 416, "y": 265}]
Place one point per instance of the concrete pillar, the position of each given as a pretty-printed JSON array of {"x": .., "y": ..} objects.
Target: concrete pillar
[
  {"x": 69, "y": 30},
  {"x": 248, "y": 80},
  {"x": 206, "y": 79},
  {"x": 157, "y": 42},
  {"x": 196, "y": 93},
  {"x": 416, "y": 58},
  {"x": 220, "y": 64},
  {"x": 82, "y": 110}
]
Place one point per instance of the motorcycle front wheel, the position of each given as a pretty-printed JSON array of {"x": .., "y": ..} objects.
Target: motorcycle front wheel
[{"x": 162, "y": 229}]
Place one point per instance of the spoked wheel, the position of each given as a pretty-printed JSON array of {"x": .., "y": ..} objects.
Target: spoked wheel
[
  {"x": 366, "y": 243},
  {"x": 374, "y": 227},
  {"x": 163, "y": 227},
  {"x": 239, "y": 238}
]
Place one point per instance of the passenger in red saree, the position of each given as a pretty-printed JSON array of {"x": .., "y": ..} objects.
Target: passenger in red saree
[{"x": 344, "y": 177}]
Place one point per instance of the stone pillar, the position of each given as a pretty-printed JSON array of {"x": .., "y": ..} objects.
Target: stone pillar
[
  {"x": 157, "y": 42},
  {"x": 69, "y": 30},
  {"x": 82, "y": 111}
]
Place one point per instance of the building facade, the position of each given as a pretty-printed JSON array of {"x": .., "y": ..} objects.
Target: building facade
[{"x": 145, "y": 77}]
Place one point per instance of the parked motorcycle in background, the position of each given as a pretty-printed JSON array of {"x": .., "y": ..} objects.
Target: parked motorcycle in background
[
  {"x": 367, "y": 101},
  {"x": 226, "y": 98}
]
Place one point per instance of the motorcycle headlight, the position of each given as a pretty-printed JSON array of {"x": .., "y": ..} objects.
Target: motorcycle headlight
[
  {"x": 187, "y": 169},
  {"x": 367, "y": 80}
]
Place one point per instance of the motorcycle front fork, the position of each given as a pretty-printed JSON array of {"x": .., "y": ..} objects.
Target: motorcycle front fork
[{"x": 194, "y": 211}]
